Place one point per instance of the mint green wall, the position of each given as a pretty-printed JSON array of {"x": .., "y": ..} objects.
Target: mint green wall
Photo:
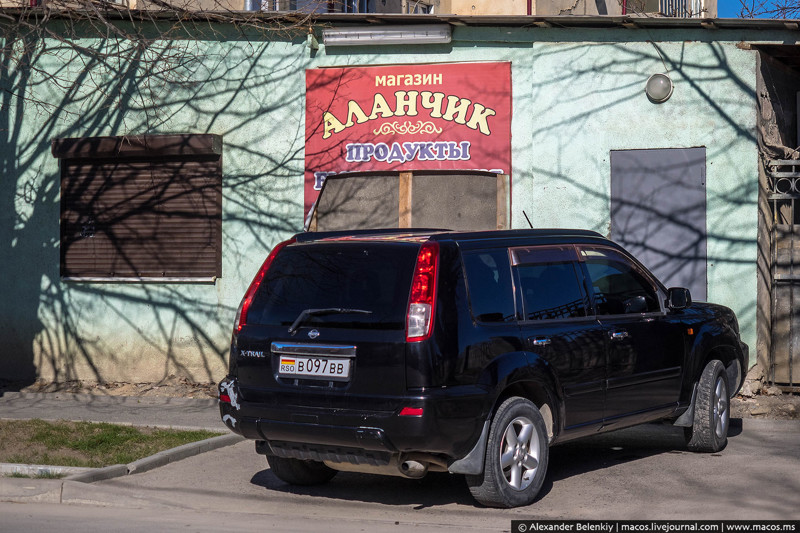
[
  {"x": 251, "y": 93},
  {"x": 577, "y": 94}
]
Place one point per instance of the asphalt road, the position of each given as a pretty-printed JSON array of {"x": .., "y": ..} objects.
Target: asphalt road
[{"x": 640, "y": 473}]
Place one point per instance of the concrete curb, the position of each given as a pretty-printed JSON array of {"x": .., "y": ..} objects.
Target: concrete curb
[
  {"x": 90, "y": 475},
  {"x": 40, "y": 470},
  {"x": 99, "y": 474},
  {"x": 182, "y": 452}
]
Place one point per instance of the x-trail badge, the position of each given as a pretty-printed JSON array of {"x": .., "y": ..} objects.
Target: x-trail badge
[{"x": 313, "y": 334}]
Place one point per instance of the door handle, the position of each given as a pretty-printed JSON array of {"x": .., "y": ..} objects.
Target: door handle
[
  {"x": 619, "y": 335},
  {"x": 541, "y": 341}
]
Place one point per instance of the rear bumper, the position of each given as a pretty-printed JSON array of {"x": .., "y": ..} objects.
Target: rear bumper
[{"x": 309, "y": 422}]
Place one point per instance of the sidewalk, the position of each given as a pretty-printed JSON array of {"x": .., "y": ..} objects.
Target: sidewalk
[
  {"x": 177, "y": 413},
  {"x": 642, "y": 473},
  {"x": 174, "y": 413}
]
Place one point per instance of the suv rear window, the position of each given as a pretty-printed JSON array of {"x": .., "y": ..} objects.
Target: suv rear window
[{"x": 374, "y": 277}]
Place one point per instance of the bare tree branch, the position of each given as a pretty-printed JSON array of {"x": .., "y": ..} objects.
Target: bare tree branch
[{"x": 775, "y": 9}]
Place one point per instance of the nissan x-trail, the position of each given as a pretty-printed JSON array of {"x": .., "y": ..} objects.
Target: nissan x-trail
[{"x": 409, "y": 351}]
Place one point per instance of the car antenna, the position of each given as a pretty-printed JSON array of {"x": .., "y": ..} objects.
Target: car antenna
[{"x": 526, "y": 218}]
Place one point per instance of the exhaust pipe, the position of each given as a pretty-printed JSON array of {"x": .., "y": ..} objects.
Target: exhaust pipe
[
  {"x": 413, "y": 466},
  {"x": 414, "y": 469}
]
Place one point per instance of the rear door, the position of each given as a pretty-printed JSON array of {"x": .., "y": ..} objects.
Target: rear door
[
  {"x": 558, "y": 325},
  {"x": 492, "y": 329}
]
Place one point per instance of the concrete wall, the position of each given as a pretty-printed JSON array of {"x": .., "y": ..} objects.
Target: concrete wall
[
  {"x": 577, "y": 94},
  {"x": 478, "y": 7},
  {"x": 584, "y": 7}
]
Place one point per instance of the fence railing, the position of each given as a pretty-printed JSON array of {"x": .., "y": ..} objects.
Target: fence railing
[{"x": 682, "y": 8}]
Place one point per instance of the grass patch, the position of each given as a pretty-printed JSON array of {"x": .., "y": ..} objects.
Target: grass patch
[{"x": 84, "y": 443}]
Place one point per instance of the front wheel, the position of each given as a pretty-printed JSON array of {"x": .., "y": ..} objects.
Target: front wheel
[
  {"x": 709, "y": 431},
  {"x": 516, "y": 457},
  {"x": 299, "y": 472}
]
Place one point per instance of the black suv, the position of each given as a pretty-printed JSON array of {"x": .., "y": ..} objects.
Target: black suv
[{"x": 407, "y": 351}]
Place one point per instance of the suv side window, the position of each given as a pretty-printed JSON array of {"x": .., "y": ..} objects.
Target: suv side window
[
  {"x": 619, "y": 286},
  {"x": 549, "y": 281},
  {"x": 491, "y": 295}
]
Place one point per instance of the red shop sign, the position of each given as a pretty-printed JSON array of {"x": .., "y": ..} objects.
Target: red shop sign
[{"x": 452, "y": 116}]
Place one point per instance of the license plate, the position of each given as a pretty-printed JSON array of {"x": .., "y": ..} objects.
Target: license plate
[{"x": 315, "y": 367}]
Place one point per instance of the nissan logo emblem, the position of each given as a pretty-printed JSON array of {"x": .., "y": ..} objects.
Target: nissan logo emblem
[{"x": 313, "y": 334}]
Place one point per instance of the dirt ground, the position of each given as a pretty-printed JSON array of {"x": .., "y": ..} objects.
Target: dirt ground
[
  {"x": 170, "y": 387},
  {"x": 766, "y": 402},
  {"x": 783, "y": 407}
]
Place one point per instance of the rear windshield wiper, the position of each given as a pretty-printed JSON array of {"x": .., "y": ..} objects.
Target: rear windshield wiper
[{"x": 319, "y": 312}]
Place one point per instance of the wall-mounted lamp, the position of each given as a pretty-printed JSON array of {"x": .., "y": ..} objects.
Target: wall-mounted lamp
[
  {"x": 658, "y": 88},
  {"x": 379, "y": 35},
  {"x": 312, "y": 42}
]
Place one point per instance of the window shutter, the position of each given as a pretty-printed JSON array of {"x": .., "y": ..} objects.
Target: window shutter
[{"x": 141, "y": 208}]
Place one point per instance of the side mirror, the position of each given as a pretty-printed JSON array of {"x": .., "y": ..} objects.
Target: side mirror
[
  {"x": 678, "y": 298},
  {"x": 637, "y": 304}
]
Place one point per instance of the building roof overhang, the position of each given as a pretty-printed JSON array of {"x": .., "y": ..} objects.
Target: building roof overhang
[
  {"x": 564, "y": 21},
  {"x": 113, "y": 11}
]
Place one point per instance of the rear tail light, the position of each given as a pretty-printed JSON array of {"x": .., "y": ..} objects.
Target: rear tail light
[
  {"x": 419, "y": 319},
  {"x": 241, "y": 314},
  {"x": 411, "y": 411},
  {"x": 224, "y": 398}
]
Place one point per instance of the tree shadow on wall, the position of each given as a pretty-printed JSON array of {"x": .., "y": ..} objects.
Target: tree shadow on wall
[
  {"x": 67, "y": 79},
  {"x": 611, "y": 86}
]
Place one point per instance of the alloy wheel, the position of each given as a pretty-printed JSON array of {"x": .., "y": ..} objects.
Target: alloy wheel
[
  {"x": 519, "y": 453},
  {"x": 721, "y": 412}
]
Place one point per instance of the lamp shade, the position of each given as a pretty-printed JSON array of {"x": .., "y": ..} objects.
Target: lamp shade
[
  {"x": 380, "y": 35},
  {"x": 658, "y": 88}
]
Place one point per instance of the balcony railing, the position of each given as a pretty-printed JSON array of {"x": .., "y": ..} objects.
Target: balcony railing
[{"x": 682, "y": 8}]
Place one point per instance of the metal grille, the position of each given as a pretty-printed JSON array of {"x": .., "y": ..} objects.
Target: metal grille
[
  {"x": 147, "y": 208},
  {"x": 784, "y": 198}
]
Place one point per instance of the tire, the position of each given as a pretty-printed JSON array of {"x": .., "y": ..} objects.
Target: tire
[
  {"x": 299, "y": 472},
  {"x": 709, "y": 431},
  {"x": 516, "y": 457}
]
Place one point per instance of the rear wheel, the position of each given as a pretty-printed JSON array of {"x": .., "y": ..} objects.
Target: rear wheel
[
  {"x": 516, "y": 457},
  {"x": 709, "y": 431},
  {"x": 299, "y": 472}
]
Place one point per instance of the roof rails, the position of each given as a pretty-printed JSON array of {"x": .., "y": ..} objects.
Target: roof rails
[
  {"x": 441, "y": 233},
  {"x": 356, "y": 233}
]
